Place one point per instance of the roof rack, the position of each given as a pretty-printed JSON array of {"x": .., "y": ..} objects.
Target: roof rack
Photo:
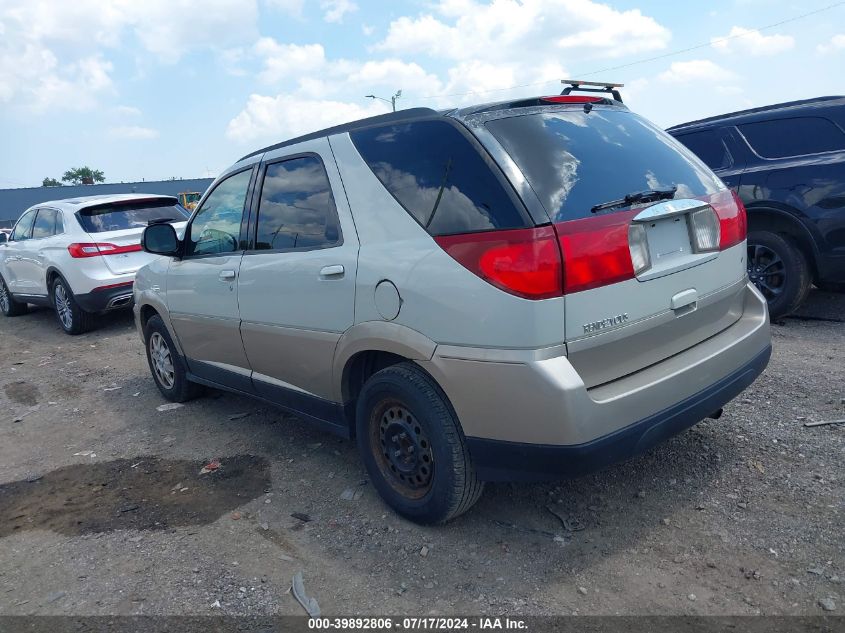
[{"x": 596, "y": 86}]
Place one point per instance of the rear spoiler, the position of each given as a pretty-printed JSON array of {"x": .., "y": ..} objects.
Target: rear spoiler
[{"x": 595, "y": 86}]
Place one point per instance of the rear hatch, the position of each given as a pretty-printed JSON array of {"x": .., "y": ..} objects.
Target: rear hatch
[
  {"x": 115, "y": 229},
  {"x": 651, "y": 240}
]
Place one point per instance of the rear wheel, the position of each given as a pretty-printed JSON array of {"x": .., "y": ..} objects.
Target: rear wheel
[
  {"x": 73, "y": 319},
  {"x": 8, "y": 306},
  {"x": 779, "y": 270},
  {"x": 412, "y": 446},
  {"x": 167, "y": 366}
]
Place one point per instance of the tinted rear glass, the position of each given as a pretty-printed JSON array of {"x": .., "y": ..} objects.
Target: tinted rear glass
[
  {"x": 575, "y": 160},
  {"x": 708, "y": 147},
  {"x": 781, "y": 138},
  {"x": 117, "y": 217},
  {"x": 439, "y": 177}
]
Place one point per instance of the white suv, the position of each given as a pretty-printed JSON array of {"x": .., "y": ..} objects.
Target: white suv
[{"x": 79, "y": 255}]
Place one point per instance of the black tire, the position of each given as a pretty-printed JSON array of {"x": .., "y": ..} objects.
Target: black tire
[
  {"x": 72, "y": 318},
  {"x": 779, "y": 270},
  {"x": 8, "y": 306},
  {"x": 831, "y": 286},
  {"x": 178, "y": 388},
  {"x": 435, "y": 480}
]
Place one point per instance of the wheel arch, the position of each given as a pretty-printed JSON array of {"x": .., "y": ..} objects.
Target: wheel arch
[{"x": 773, "y": 219}]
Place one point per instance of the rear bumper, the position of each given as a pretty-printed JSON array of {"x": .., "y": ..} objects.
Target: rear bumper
[
  {"x": 496, "y": 460},
  {"x": 529, "y": 415},
  {"x": 109, "y": 298}
]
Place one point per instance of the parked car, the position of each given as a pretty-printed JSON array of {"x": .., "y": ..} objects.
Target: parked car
[
  {"x": 79, "y": 256},
  {"x": 787, "y": 163},
  {"x": 521, "y": 290},
  {"x": 4, "y": 235}
]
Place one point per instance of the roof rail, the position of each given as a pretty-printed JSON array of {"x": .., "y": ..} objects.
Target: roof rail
[{"x": 596, "y": 86}]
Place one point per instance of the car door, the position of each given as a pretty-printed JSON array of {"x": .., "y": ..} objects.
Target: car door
[
  {"x": 37, "y": 251},
  {"x": 14, "y": 253},
  {"x": 202, "y": 288},
  {"x": 297, "y": 281}
]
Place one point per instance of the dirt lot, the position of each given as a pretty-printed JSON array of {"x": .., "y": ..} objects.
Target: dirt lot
[{"x": 103, "y": 509}]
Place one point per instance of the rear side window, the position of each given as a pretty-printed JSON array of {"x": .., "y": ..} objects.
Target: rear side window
[
  {"x": 782, "y": 138},
  {"x": 45, "y": 224},
  {"x": 575, "y": 160},
  {"x": 708, "y": 147},
  {"x": 129, "y": 215},
  {"x": 23, "y": 229},
  {"x": 439, "y": 177},
  {"x": 297, "y": 210}
]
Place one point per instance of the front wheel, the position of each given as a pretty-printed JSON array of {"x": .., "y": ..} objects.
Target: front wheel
[
  {"x": 8, "y": 306},
  {"x": 779, "y": 270},
  {"x": 168, "y": 368},
  {"x": 413, "y": 447},
  {"x": 73, "y": 319}
]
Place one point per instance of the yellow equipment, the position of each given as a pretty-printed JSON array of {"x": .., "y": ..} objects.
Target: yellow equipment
[{"x": 189, "y": 199}]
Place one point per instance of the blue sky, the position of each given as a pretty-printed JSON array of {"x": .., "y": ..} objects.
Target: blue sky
[{"x": 161, "y": 88}]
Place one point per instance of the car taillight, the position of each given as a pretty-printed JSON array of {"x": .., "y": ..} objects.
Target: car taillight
[
  {"x": 571, "y": 99},
  {"x": 523, "y": 262},
  {"x": 596, "y": 251},
  {"x": 638, "y": 246},
  {"x": 705, "y": 230},
  {"x": 78, "y": 250},
  {"x": 733, "y": 224}
]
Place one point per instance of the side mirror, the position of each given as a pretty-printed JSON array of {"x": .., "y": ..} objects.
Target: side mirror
[
  {"x": 161, "y": 239},
  {"x": 3, "y": 238}
]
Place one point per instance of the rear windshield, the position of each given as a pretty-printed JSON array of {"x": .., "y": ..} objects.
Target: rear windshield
[
  {"x": 575, "y": 160},
  {"x": 131, "y": 215}
]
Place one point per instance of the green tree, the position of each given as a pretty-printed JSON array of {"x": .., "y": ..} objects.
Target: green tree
[
  {"x": 83, "y": 176},
  {"x": 50, "y": 182}
]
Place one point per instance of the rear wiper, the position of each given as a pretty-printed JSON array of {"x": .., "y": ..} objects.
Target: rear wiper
[{"x": 649, "y": 195}]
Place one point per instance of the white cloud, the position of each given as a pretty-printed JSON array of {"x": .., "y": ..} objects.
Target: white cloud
[
  {"x": 836, "y": 43},
  {"x": 275, "y": 118},
  {"x": 751, "y": 42},
  {"x": 132, "y": 133},
  {"x": 127, "y": 111},
  {"x": 509, "y": 30},
  {"x": 335, "y": 10},
  {"x": 283, "y": 61},
  {"x": 291, "y": 7},
  {"x": 696, "y": 70}
]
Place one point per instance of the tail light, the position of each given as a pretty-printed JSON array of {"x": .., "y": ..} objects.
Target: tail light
[
  {"x": 578, "y": 255},
  {"x": 523, "y": 262},
  {"x": 79, "y": 250},
  {"x": 733, "y": 224},
  {"x": 596, "y": 251}
]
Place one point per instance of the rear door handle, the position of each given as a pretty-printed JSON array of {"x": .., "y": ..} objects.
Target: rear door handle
[
  {"x": 332, "y": 271},
  {"x": 226, "y": 275}
]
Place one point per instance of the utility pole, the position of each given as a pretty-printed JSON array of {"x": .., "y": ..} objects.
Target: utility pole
[{"x": 391, "y": 101}]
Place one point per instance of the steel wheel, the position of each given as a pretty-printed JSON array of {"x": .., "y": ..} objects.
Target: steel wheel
[
  {"x": 402, "y": 449},
  {"x": 162, "y": 361},
  {"x": 766, "y": 270},
  {"x": 4, "y": 297},
  {"x": 63, "y": 308}
]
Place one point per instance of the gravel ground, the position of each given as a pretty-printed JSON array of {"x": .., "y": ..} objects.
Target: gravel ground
[{"x": 103, "y": 510}]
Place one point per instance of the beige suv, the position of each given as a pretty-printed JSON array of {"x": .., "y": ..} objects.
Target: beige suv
[{"x": 522, "y": 290}]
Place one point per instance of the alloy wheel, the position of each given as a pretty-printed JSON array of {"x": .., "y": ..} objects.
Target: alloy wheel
[
  {"x": 63, "y": 309},
  {"x": 162, "y": 361},
  {"x": 402, "y": 449},
  {"x": 766, "y": 270}
]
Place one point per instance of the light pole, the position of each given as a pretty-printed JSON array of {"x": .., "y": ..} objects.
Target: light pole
[{"x": 391, "y": 101}]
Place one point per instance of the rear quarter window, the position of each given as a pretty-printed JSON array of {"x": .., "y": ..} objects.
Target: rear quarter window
[
  {"x": 439, "y": 177},
  {"x": 129, "y": 215},
  {"x": 798, "y": 136},
  {"x": 709, "y": 147}
]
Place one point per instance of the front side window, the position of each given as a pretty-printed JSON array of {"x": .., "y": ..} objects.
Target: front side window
[
  {"x": 297, "y": 209},
  {"x": 782, "y": 138},
  {"x": 217, "y": 225},
  {"x": 708, "y": 147},
  {"x": 438, "y": 176},
  {"x": 45, "y": 224},
  {"x": 23, "y": 229}
]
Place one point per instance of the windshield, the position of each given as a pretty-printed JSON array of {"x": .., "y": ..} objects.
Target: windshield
[
  {"x": 131, "y": 215},
  {"x": 576, "y": 160}
]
